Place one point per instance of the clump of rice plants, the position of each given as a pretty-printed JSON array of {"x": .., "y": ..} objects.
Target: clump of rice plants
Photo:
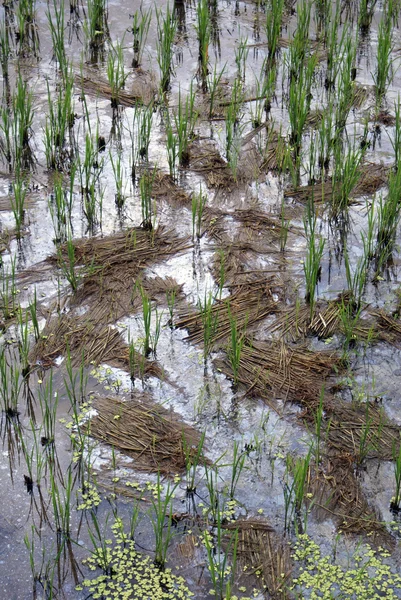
[
  {"x": 166, "y": 30},
  {"x": 116, "y": 74},
  {"x": 203, "y": 32},
  {"x": 140, "y": 29},
  {"x": 384, "y": 73},
  {"x": 95, "y": 25}
]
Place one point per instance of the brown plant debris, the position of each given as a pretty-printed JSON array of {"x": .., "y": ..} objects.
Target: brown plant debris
[
  {"x": 206, "y": 160},
  {"x": 87, "y": 340},
  {"x": 372, "y": 176},
  {"x": 260, "y": 549},
  {"x": 276, "y": 370},
  {"x": 165, "y": 188},
  {"x": 142, "y": 89},
  {"x": 359, "y": 431},
  {"x": 113, "y": 265},
  {"x": 247, "y": 306},
  {"x": 150, "y": 434},
  {"x": 337, "y": 492}
]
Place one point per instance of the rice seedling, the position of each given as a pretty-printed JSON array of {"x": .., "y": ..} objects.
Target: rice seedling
[
  {"x": 366, "y": 11},
  {"x": 45, "y": 573},
  {"x": 140, "y": 29},
  {"x": 166, "y": 30},
  {"x": 67, "y": 264},
  {"x": 396, "y": 499},
  {"x": 118, "y": 171},
  {"x": 162, "y": 511},
  {"x": 147, "y": 318},
  {"x": 198, "y": 205},
  {"x": 299, "y": 99},
  {"x": 241, "y": 55},
  {"x": 8, "y": 291},
  {"x": 26, "y": 34},
  {"x": 145, "y": 189},
  {"x": 55, "y": 18},
  {"x": 59, "y": 211},
  {"x": 59, "y": 122},
  {"x": 314, "y": 253},
  {"x": 172, "y": 149},
  {"x": 237, "y": 340},
  {"x": 334, "y": 46},
  {"x": 396, "y": 141},
  {"x": 5, "y": 50},
  {"x": 233, "y": 128},
  {"x": 345, "y": 88},
  {"x": 184, "y": 120},
  {"x": 356, "y": 280},
  {"x": 20, "y": 189},
  {"x": 101, "y": 551},
  {"x": 213, "y": 85},
  {"x": 218, "y": 553},
  {"x": 140, "y": 135},
  {"x": 325, "y": 140},
  {"x": 383, "y": 74},
  {"x": 388, "y": 218},
  {"x": 116, "y": 75},
  {"x": 294, "y": 493},
  {"x": 193, "y": 458},
  {"x": 237, "y": 467},
  {"x": 171, "y": 298},
  {"x": 6, "y": 130},
  {"x": 203, "y": 32},
  {"x": 21, "y": 125},
  {"x": 95, "y": 24},
  {"x": 346, "y": 174},
  {"x": 33, "y": 311},
  {"x": 273, "y": 25},
  {"x": 89, "y": 172},
  {"x": 265, "y": 86}
]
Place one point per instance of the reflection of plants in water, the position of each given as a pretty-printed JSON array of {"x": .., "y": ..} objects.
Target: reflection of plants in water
[{"x": 10, "y": 384}]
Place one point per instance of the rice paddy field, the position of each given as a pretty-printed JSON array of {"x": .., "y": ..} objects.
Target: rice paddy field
[{"x": 200, "y": 314}]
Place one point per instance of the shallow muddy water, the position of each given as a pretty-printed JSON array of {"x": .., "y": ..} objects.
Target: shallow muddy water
[{"x": 171, "y": 397}]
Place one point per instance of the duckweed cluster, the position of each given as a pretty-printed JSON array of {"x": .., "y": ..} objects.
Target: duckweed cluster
[
  {"x": 130, "y": 574},
  {"x": 370, "y": 577},
  {"x": 90, "y": 497}
]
